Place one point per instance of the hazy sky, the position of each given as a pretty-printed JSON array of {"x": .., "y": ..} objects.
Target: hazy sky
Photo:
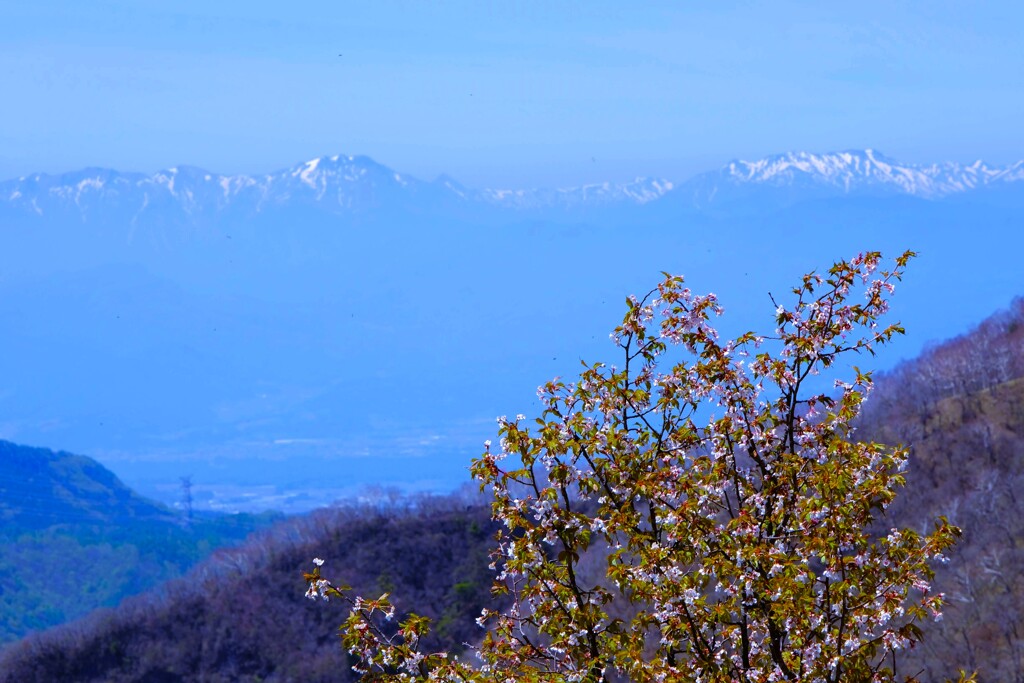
[{"x": 504, "y": 93}]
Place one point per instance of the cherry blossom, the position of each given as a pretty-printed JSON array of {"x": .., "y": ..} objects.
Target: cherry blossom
[{"x": 730, "y": 504}]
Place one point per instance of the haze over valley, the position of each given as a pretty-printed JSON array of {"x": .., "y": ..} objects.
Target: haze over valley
[{"x": 290, "y": 338}]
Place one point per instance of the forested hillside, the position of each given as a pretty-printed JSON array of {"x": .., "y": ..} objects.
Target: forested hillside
[
  {"x": 960, "y": 408},
  {"x": 242, "y": 615},
  {"x": 73, "y": 538}
]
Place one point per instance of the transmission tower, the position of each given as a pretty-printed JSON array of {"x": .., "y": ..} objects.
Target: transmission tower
[{"x": 186, "y": 496}]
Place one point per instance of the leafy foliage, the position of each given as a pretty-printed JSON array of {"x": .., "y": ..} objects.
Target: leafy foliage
[{"x": 736, "y": 550}]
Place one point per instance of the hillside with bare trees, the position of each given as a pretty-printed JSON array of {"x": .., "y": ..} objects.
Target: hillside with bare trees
[{"x": 960, "y": 409}]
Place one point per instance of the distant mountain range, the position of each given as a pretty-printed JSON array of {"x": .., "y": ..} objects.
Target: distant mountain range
[
  {"x": 801, "y": 176},
  {"x": 358, "y": 184},
  {"x": 338, "y": 183},
  {"x": 857, "y": 170}
]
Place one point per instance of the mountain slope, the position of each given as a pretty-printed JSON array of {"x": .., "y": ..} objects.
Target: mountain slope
[
  {"x": 960, "y": 409},
  {"x": 74, "y": 538},
  {"x": 39, "y": 488},
  {"x": 242, "y": 616}
]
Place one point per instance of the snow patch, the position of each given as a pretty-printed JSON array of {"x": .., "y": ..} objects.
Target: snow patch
[{"x": 307, "y": 173}]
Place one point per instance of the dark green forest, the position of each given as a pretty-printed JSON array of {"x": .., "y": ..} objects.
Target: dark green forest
[
  {"x": 241, "y": 615},
  {"x": 74, "y": 538}
]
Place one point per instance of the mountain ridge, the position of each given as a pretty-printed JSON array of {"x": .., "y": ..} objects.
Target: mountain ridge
[
  {"x": 793, "y": 176},
  {"x": 360, "y": 184},
  {"x": 39, "y": 486},
  {"x": 75, "y": 538}
]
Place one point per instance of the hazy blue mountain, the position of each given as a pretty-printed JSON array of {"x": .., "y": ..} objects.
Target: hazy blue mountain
[
  {"x": 288, "y": 338},
  {"x": 39, "y": 488},
  {"x": 800, "y": 176},
  {"x": 356, "y": 187}
]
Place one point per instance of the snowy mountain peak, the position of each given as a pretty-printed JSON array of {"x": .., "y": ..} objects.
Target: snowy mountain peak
[
  {"x": 344, "y": 184},
  {"x": 325, "y": 174},
  {"x": 866, "y": 169},
  {"x": 841, "y": 166}
]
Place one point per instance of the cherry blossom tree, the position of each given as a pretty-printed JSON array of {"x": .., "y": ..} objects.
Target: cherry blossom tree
[{"x": 735, "y": 517}]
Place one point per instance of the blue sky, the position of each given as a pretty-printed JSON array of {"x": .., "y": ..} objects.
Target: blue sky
[{"x": 504, "y": 94}]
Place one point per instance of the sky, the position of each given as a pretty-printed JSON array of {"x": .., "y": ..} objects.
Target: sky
[{"x": 509, "y": 94}]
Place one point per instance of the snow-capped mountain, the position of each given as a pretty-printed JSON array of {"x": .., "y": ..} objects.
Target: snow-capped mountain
[
  {"x": 803, "y": 175},
  {"x": 337, "y": 183},
  {"x": 854, "y": 169},
  {"x": 357, "y": 185},
  {"x": 344, "y": 182}
]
